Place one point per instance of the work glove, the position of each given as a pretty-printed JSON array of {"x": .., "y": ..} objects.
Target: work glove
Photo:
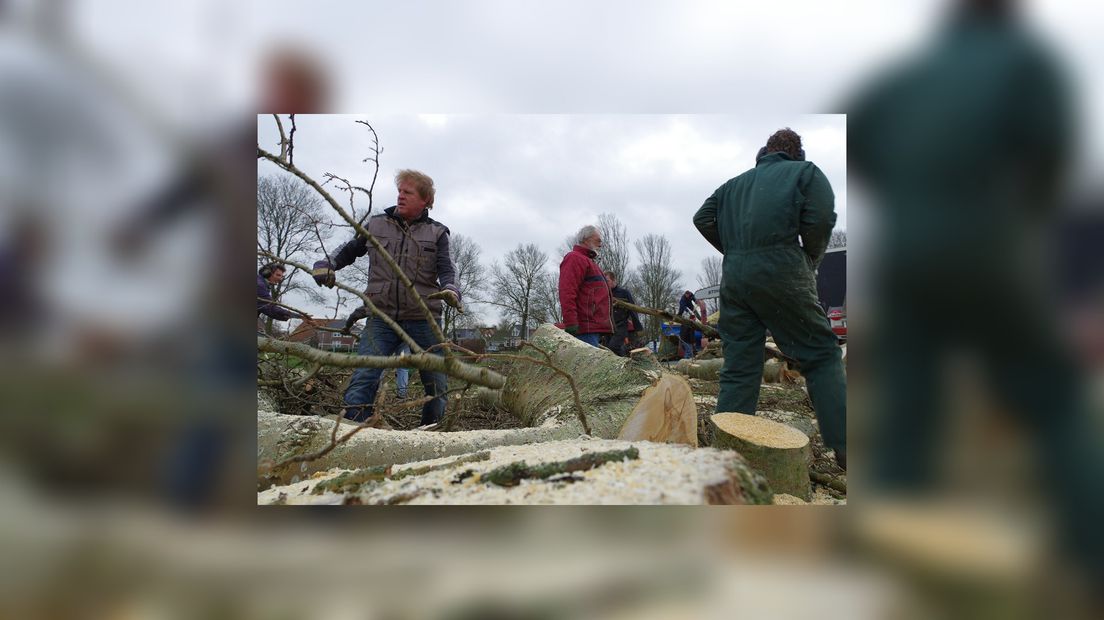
[
  {"x": 572, "y": 329},
  {"x": 451, "y": 296},
  {"x": 324, "y": 274}
]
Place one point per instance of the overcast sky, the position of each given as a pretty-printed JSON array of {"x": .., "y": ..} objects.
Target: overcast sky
[{"x": 508, "y": 179}]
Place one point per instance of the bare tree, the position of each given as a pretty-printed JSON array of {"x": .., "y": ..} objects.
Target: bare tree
[
  {"x": 615, "y": 254},
  {"x": 659, "y": 281},
  {"x": 546, "y": 301},
  {"x": 567, "y": 246},
  {"x": 838, "y": 239},
  {"x": 465, "y": 254},
  {"x": 711, "y": 271},
  {"x": 289, "y": 224},
  {"x": 515, "y": 281}
]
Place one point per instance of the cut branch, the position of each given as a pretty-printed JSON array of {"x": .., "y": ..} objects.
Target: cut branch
[
  {"x": 422, "y": 361},
  {"x": 706, "y": 330}
]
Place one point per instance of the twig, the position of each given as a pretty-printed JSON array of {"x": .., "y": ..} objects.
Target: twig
[
  {"x": 291, "y": 141},
  {"x": 831, "y": 482}
]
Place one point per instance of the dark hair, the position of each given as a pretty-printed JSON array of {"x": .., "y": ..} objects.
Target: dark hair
[
  {"x": 786, "y": 141},
  {"x": 271, "y": 268},
  {"x": 611, "y": 275}
]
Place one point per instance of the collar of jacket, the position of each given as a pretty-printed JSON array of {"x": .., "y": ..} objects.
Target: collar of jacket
[
  {"x": 390, "y": 211},
  {"x": 584, "y": 250},
  {"x": 772, "y": 156}
]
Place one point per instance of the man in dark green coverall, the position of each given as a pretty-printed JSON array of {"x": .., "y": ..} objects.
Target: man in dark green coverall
[{"x": 769, "y": 283}]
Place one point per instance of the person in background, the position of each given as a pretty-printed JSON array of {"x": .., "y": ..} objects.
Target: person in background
[
  {"x": 584, "y": 294},
  {"x": 686, "y": 332},
  {"x": 269, "y": 277},
  {"x": 625, "y": 321}
]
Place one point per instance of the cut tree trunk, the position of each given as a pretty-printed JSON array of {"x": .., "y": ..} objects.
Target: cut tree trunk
[
  {"x": 629, "y": 398},
  {"x": 580, "y": 471},
  {"x": 780, "y": 452}
]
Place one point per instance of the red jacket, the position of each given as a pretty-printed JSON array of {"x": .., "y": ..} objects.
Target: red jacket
[{"x": 584, "y": 295}]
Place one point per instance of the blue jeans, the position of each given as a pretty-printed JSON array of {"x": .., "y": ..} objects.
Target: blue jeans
[
  {"x": 402, "y": 379},
  {"x": 360, "y": 396},
  {"x": 591, "y": 339},
  {"x": 402, "y": 375}
]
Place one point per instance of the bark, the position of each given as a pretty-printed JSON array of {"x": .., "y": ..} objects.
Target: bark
[{"x": 780, "y": 452}]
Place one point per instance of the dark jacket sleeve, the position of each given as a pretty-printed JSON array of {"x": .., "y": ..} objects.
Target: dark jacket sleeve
[
  {"x": 818, "y": 216},
  {"x": 632, "y": 313},
  {"x": 277, "y": 312},
  {"x": 349, "y": 252},
  {"x": 706, "y": 221},
  {"x": 571, "y": 276},
  {"x": 446, "y": 271}
]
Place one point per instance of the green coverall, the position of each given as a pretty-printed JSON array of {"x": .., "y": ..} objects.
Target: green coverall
[{"x": 769, "y": 283}]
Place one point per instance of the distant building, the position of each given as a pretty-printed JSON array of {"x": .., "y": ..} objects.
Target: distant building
[{"x": 326, "y": 339}]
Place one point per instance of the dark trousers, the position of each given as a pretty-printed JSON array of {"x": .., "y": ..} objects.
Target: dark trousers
[
  {"x": 360, "y": 396},
  {"x": 787, "y": 305}
]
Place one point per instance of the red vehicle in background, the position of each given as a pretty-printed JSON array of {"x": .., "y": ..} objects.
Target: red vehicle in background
[
  {"x": 831, "y": 281},
  {"x": 837, "y": 318}
]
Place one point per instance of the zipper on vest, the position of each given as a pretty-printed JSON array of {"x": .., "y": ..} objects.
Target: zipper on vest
[{"x": 402, "y": 244}]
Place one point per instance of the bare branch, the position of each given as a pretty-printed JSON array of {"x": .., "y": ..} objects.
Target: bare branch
[
  {"x": 291, "y": 141},
  {"x": 283, "y": 137},
  {"x": 422, "y": 361}
]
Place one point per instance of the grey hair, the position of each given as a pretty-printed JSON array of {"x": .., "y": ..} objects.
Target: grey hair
[{"x": 585, "y": 232}]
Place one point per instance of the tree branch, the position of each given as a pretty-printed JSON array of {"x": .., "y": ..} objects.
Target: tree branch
[
  {"x": 422, "y": 361},
  {"x": 706, "y": 330}
]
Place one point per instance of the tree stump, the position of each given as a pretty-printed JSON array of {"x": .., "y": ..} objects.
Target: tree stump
[{"x": 780, "y": 452}]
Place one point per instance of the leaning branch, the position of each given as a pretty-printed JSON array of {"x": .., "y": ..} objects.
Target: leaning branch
[{"x": 706, "y": 330}]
